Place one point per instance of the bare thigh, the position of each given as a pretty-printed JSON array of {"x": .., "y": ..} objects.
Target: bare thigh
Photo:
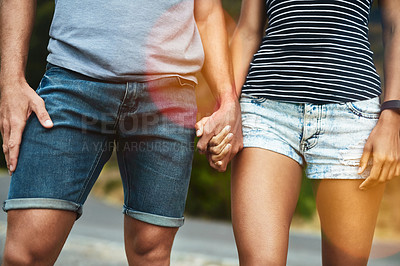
[
  {"x": 36, "y": 236},
  {"x": 265, "y": 190},
  {"x": 348, "y": 217}
]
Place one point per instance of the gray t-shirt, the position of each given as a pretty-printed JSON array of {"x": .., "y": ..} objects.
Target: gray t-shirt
[{"x": 120, "y": 41}]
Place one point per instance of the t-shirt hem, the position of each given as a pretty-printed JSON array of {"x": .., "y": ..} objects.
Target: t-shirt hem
[{"x": 118, "y": 78}]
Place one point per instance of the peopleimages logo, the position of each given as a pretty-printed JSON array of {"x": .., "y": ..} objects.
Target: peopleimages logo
[
  {"x": 138, "y": 146},
  {"x": 138, "y": 124}
]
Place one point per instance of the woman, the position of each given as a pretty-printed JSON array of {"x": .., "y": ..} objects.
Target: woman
[{"x": 310, "y": 100}]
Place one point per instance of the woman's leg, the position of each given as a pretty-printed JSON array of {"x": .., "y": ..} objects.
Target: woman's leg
[
  {"x": 348, "y": 217},
  {"x": 265, "y": 189}
]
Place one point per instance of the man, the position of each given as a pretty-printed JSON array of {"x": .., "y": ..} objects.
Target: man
[{"x": 119, "y": 72}]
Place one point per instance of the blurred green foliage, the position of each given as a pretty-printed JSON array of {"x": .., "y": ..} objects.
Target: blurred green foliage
[
  {"x": 232, "y": 7},
  {"x": 38, "y": 45},
  {"x": 209, "y": 194},
  {"x": 2, "y": 158},
  {"x": 209, "y": 191}
]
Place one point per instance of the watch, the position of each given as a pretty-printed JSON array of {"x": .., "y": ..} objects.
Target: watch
[{"x": 393, "y": 105}]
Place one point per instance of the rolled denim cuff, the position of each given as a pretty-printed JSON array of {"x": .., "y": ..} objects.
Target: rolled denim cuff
[
  {"x": 42, "y": 203},
  {"x": 153, "y": 218}
]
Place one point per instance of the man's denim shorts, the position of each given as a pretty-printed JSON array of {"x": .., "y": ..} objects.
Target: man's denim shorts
[
  {"x": 327, "y": 139},
  {"x": 150, "y": 125}
]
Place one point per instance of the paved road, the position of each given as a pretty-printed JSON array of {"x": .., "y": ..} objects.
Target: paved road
[{"x": 97, "y": 239}]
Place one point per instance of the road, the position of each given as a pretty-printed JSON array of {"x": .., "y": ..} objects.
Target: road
[{"x": 97, "y": 239}]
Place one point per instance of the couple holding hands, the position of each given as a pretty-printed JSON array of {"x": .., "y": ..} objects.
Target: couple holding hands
[{"x": 301, "y": 95}]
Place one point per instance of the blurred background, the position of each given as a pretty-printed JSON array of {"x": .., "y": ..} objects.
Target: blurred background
[{"x": 209, "y": 194}]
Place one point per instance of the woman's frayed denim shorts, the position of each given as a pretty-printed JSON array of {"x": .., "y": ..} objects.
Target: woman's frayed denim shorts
[{"x": 327, "y": 139}]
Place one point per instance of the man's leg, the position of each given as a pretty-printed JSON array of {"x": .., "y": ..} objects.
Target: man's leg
[
  {"x": 36, "y": 236},
  {"x": 57, "y": 167},
  {"x": 148, "y": 244},
  {"x": 155, "y": 152}
]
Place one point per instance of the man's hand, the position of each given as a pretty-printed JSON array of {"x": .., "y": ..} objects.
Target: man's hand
[
  {"x": 226, "y": 124},
  {"x": 383, "y": 146},
  {"x": 17, "y": 102}
]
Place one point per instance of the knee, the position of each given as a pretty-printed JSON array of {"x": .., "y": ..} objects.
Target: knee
[
  {"x": 148, "y": 244},
  {"x": 148, "y": 250},
  {"x": 15, "y": 258},
  {"x": 151, "y": 249},
  {"x": 23, "y": 256}
]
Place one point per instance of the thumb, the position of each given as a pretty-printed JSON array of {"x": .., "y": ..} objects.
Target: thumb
[
  {"x": 40, "y": 110},
  {"x": 200, "y": 126},
  {"x": 364, "y": 159}
]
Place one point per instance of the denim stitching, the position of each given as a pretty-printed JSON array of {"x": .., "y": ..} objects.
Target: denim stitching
[
  {"x": 92, "y": 170},
  {"x": 318, "y": 131},
  {"x": 120, "y": 107},
  {"x": 257, "y": 99},
  {"x": 360, "y": 113},
  {"x": 135, "y": 93},
  {"x": 128, "y": 183}
]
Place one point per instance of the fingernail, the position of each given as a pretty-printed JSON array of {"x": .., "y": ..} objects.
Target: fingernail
[
  {"x": 228, "y": 128},
  {"x": 48, "y": 123},
  {"x": 359, "y": 170},
  {"x": 362, "y": 187},
  {"x": 219, "y": 163},
  {"x": 229, "y": 146},
  {"x": 11, "y": 169},
  {"x": 230, "y": 136}
]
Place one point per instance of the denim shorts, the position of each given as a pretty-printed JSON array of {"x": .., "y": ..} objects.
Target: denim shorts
[
  {"x": 327, "y": 139},
  {"x": 150, "y": 125}
]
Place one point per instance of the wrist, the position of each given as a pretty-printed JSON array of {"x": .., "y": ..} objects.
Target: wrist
[
  {"x": 227, "y": 98},
  {"x": 390, "y": 116},
  {"x": 11, "y": 73},
  {"x": 7, "y": 81},
  {"x": 391, "y": 105}
]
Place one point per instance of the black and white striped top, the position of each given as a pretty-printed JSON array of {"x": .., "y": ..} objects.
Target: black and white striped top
[{"x": 315, "y": 51}]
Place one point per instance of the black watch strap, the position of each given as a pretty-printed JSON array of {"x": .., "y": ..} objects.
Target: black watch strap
[{"x": 393, "y": 105}]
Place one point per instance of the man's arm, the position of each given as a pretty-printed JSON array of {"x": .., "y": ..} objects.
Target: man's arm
[
  {"x": 18, "y": 99},
  {"x": 218, "y": 73}
]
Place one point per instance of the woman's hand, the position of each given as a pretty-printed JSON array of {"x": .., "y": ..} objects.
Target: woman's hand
[
  {"x": 220, "y": 146},
  {"x": 383, "y": 147}
]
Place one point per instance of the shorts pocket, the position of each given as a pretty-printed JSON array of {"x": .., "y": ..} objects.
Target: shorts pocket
[
  {"x": 253, "y": 99},
  {"x": 368, "y": 109}
]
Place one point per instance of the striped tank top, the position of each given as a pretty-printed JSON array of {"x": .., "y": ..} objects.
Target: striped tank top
[{"x": 315, "y": 51}]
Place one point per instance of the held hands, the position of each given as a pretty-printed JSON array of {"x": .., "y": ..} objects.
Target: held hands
[
  {"x": 221, "y": 135},
  {"x": 383, "y": 147},
  {"x": 17, "y": 102}
]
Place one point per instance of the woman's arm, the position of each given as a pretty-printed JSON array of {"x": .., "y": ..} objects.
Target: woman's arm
[
  {"x": 383, "y": 144},
  {"x": 247, "y": 38},
  {"x": 390, "y": 10},
  {"x": 245, "y": 42}
]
